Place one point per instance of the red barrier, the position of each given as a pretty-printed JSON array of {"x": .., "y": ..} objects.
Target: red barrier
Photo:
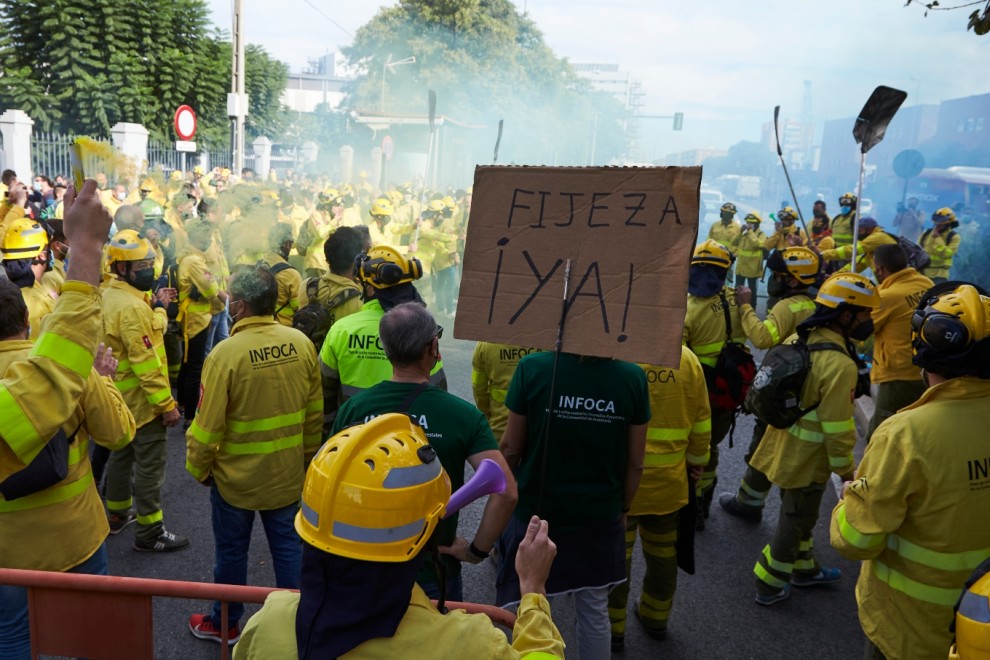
[{"x": 69, "y": 611}]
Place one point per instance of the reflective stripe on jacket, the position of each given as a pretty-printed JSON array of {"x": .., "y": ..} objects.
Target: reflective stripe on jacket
[
  {"x": 704, "y": 325},
  {"x": 679, "y": 434},
  {"x": 260, "y": 415},
  {"x": 782, "y": 321},
  {"x": 917, "y": 517}
]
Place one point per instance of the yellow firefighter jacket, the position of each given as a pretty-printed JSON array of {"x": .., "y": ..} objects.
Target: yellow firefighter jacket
[
  {"x": 864, "y": 250},
  {"x": 842, "y": 229},
  {"x": 748, "y": 248},
  {"x": 917, "y": 516},
  {"x": 135, "y": 333},
  {"x": 782, "y": 321},
  {"x": 678, "y": 435},
  {"x": 781, "y": 238},
  {"x": 941, "y": 252},
  {"x": 63, "y": 525},
  {"x": 194, "y": 314},
  {"x": 822, "y": 441},
  {"x": 329, "y": 286},
  {"x": 492, "y": 366},
  {"x": 40, "y": 303},
  {"x": 725, "y": 234},
  {"x": 289, "y": 283},
  {"x": 899, "y": 296},
  {"x": 704, "y": 325},
  {"x": 260, "y": 416}
]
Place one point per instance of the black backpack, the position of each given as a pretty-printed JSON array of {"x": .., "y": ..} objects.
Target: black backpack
[
  {"x": 917, "y": 258},
  {"x": 314, "y": 319},
  {"x": 775, "y": 395},
  {"x": 729, "y": 380}
]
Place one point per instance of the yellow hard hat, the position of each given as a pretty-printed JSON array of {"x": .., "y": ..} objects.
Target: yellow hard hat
[
  {"x": 382, "y": 206},
  {"x": 803, "y": 264},
  {"x": 176, "y": 175},
  {"x": 25, "y": 239},
  {"x": 329, "y": 194},
  {"x": 729, "y": 207},
  {"x": 225, "y": 172},
  {"x": 449, "y": 202},
  {"x": 943, "y": 215},
  {"x": 198, "y": 169},
  {"x": 848, "y": 288},
  {"x": 714, "y": 253},
  {"x": 383, "y": 267},
  {"x": 436, "y": 206},
  {"x": 754, "y": 217},
  {"x": 148, "y": 185},
  {"x": 787, "y": 213},
  {"x": 374, "y": 492},
  {"x": 395, "y": 196},
  {"x": 848, "y": 199},
  {"x": 127, "y": 245},
  {"x": 973, "y": 621}
]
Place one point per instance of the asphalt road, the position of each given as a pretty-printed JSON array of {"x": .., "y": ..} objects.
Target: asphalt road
[{"x": 714, "y": 615}]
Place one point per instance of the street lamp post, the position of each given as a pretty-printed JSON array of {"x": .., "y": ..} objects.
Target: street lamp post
[{"x": 389, "y": 65}]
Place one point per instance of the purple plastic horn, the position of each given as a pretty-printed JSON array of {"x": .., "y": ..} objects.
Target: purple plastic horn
[{"x": 488, "y": 478}]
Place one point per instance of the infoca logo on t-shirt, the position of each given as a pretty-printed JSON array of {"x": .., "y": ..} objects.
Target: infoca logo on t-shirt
[{"x": 587, "y": 409}]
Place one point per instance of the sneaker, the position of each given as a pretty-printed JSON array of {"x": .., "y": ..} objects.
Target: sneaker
[
  {"x": 730, "y": 503},
  {"x": 166, "y": 542},
  {"x": 824, "y": 576},
  {"x": 770, "y": 599},
  {"x": 618, "y": 643},
  {"x": 201, "y": 625},
  {"x": 119, "y": 521},
  {"x": 651, "y": 629}
]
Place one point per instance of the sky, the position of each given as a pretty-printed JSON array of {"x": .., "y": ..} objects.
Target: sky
[{"x": 725, "y": 64}]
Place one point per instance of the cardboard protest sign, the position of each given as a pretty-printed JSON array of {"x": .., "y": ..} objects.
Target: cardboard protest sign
[{"x": 629, "y": 233}]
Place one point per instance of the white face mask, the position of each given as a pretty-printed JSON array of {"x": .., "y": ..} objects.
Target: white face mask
[{"x": 121, "y": 196}]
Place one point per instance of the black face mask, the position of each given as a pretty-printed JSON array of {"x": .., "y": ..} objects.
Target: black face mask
[
  {"x": 726, "y": 218},
  {"x": 19, "y": 272},
  {"x": 862, "y": 331},
  {"x": 705, "y": 280},
  {"x": 776, "y": 288},
  {"x": 142, "y": 279},
  {"x": 819, "y": 213}
]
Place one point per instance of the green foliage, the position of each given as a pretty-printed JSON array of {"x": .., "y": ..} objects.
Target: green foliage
[
  {"x": 81, "y": 66},
  {"x": 486, "y": 62},
  {"x": 979, "y": 20}
]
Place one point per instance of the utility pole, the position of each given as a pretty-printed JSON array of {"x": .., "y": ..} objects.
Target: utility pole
[{"x": 237, "y": 100}]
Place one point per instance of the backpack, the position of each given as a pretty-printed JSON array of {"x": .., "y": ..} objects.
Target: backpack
[
  {"x": 314, "y": 319},
  {"x": 775, "y": 395},
  {"x": 917, "y": 258},
  {"x": 729, "y": 380}
]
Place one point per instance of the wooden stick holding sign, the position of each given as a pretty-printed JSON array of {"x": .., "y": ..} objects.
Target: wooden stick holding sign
[
  {"x": 628, "y": 233},
  {"x": 553, "y": 385}
]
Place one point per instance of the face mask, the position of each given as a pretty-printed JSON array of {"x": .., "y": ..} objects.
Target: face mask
[
  {"x": 121, "y": 196},
  {"x": 776, "y": 288},
  {"x": 36, "y": 186},
  {"x": 19, "y": 272},
  {"x": 705, "y": 280},
  {"x": 142, "y": 279},
  {"x": 846, "y": 209},
  {"x": 819, "y": 213},
  {"x": 726, "y": 217},
  {"x": 862, "y": 331}
]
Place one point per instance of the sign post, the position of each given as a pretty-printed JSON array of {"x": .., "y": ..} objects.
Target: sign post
[{"x": 629, "y": 234}]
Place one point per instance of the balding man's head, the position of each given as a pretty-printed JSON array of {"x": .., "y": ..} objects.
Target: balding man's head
[
  {"x": 129, "y": 216},
  {"x": 407, "y": 332}
]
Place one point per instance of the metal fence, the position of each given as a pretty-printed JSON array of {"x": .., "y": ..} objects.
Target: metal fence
[
  {"x": 164, "y": 155},
  {"x": 51, "y": 154}
]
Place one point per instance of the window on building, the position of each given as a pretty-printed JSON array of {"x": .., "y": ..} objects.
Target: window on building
[
  {"x": 969, "y": 124},
  {"x": 979, "y": 123}
]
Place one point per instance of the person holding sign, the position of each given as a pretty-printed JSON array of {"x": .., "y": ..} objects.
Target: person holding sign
[
  {"x": 712, "y": 319},
  {"x": 581, "y": 476}
]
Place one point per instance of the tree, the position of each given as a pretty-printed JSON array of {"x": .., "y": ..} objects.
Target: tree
[
  {"x": 486, "y": 62},
  {"x": 979, "y": 20},
  {"x": 80, "y": 66}
]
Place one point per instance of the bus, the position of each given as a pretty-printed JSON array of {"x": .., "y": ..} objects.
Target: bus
[{"x": 936, "y": 189}]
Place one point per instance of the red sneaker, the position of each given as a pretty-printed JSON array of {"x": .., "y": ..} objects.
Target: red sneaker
[{"x": 201, "y": 625}]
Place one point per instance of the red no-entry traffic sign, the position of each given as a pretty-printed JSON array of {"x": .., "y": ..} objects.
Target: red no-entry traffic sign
[{"x": 185, "y": 122}]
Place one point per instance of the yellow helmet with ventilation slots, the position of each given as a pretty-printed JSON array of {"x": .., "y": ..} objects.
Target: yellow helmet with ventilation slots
[
  {"x": 848, "y": 288},
  {"x": 374, "y": 492}
]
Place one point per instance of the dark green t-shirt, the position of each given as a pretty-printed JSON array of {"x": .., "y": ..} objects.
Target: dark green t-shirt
[
  {"x": 455, "y": 428},
  {"x": 595, "y": 402}
]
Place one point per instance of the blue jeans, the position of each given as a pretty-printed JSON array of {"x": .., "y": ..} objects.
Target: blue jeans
[
  {"x": 218, "y": 330},
  {"x": 15, "y": 631},
  {"x": 232, "y": 537}
]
